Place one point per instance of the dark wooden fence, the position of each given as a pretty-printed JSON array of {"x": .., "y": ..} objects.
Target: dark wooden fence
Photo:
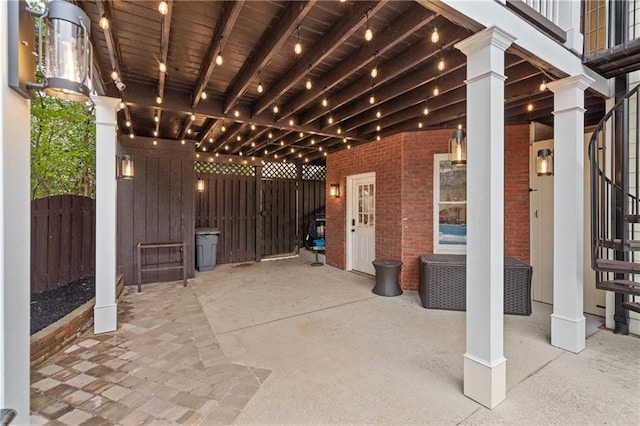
[{"x": 62, "y": 240}]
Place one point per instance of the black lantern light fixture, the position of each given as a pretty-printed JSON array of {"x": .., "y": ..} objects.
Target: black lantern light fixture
[
  {"x": 544, "y": 162},
  {"x": 334, "y": 190},
  {"x": 200, "y": 185},
  {"x": 64, "y": 51},
  {"x": 124, "y": 167},
  {"x": 458, "y": 147}
]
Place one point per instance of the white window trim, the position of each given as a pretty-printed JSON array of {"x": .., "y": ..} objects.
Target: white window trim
[{"x": 437, "y": 247}]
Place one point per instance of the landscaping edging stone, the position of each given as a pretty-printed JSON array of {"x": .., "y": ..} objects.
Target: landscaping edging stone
[{"x": 62, "y": 333}]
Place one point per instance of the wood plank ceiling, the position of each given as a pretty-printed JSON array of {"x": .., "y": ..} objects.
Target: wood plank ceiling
[{"x": 217, "y": 105}]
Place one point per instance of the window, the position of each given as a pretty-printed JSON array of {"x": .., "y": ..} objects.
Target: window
[
  {"x": 366, "y": 206},
  {"x": 449, "y": 206}
]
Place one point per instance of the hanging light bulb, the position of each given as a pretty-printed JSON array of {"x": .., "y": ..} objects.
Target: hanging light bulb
[
  {"x": 419, "y": 124},
  {"x": 121, "y": 105},
  {"x": 189, "y": 131},
  {"x": 275, "y": 109},
  {"x": 281, "y": 143},
  {"x": 193, "y": 117},
  {"x": 239, "y": 138},
  {"x": 374, "y": 71},
  {"x": 308, "y": 84},
  {"x": 291, "y": 122},
  {"x": 156, "y": 118},
  {"x": 378, "y": 128},
  {"x": 210, "y": 140},
  {"x": 425, "y": 111},
  {"x": 320, "y": 149},
  {"x": 435, "y": 37},
  {"x": 158, "y": 99},
  {"x": 104, "y": 22},
  {"x": 372, "y": 99},
  {"x": 260, "y": 87},
  {"x": 301, "y": 134},
  {"x": 368, "y": 34},
  {"x": 203, "y": 95},
  {"x": 313, "y": 141},
  {"x": 330, "y": 120},
  {"x": 163, "y": 8},
  {"x": 131, "y": 136},
  {"x": 162, "y": 66},
  {"x": 155, "y": 142},
  {"x": 253, "y": 144},
  {"x": 298, "y": 47},
  {"x": 441, "y": 65},
  {"x": 529, "y": 107},
  {"x": 325, "y": 102},
  {"x": 155, "y": 133},
  {"x": 543, "y": 85},
  {"x": 226, "y": 147},
  {"x": 223, "y": 128},
  {"x": 378, "y": 114},
  {"x": 236, "y": 113},
  {"x": 253, "y": 126},
  {"x": 436, "y": 91},
  {"x": 344, "y": 140},
  {"x": 183, "y": 141},
  {"x": 339, "y": 130},
  {"x": 219, "y": 59},
  {"x": 378, "y": 137},
  {"x": 128, "y": 123}
]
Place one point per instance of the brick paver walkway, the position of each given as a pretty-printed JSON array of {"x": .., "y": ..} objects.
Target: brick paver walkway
[{"x": 162, "y": 366}]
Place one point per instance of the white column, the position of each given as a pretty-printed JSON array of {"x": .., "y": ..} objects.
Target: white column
[
  {"x": 567, "y": 320},
  {"x": 484, "y": 363},
  {"x": 15, "y": 240},
  {"x": 105, "y": 310}
]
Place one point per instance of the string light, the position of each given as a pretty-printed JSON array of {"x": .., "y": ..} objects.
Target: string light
[
  {"x": 372, "y": 99},
  {"x": 236, "y": 113},
  {"x": 183, "y": 141},
  {"x": 308, "y": 84},
  {"x": 368, "y": 34},
  {"x": 219, "y": 59},
  {"x": 378, "y": 137},
  {"x": 193, "y": 117},
  {"x": 189, "y": 131},
  {"x": 275, "y": 109},
  {"x": 131, "y": 136},
  {"x": 330, "y": 120},
  {"x": 530, "y": 107},
  {"x": 301, "y": 134},
  {"x": 325, "y": 102},
  {"x": 425, "y": 111},
  {"x": 436, "y": 91},
  {"x": 253, "y": 126},
  {"x": 378, "y": 114},
  {"x": 291, "y": 122},
  {"x": 260, "y": 87},
  {"x": 127, "y": 123},
  {"x": 155, "y": 142},
  {"x": 253, "y": 144},
  {"x": 156, "y": 118},
  {"x": 210, "y": 139},
  {"x": 441, "y": 64},
  {"x": 270, "y": 135},
  {"x": 158, "y": 99},
  {"x": 121, "y": 105},
  {"x": 378, "y": 128},
  {"x": 298, "y": 47},
  {"x": 435, "y": 37},
  {"x": 104, "y": 22},
  {"x": 543, "y": 85},
  {"x": 163, "y": 8},
  {"x": 374, "y": 71},
  {"x": 203, "y": 95},
  {"x": 155, "y": 133},
  {"x": 339, "y": 130},
  {"x": 419, "y": 124},
  {"x": 223, "y": 128},
  {"x": 281, "y": 143},
  {"x": 313, "y": 141},
  {"x": 162, "y": 66}
]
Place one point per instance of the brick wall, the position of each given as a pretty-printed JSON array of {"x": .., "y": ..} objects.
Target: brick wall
[{"x": 404, "y": 200}]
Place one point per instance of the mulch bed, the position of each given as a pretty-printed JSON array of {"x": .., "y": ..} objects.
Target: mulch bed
[{"x": 49, "y": 306}]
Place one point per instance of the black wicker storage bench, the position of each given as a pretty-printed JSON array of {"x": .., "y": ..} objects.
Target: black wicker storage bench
[{"x": 443, "y": 283}]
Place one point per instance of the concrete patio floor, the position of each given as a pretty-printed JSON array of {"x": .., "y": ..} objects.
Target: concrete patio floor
[{"x": 282, "y": 342}]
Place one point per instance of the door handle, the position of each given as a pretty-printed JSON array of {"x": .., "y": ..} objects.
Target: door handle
[
  {"x": 353, "y": 230},
  {"x": 536, "y": 214}
]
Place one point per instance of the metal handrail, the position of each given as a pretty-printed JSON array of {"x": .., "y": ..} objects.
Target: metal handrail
[{"x": 606, "y": 194}]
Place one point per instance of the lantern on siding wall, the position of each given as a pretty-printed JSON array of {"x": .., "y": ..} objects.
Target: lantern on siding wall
[
  {"x": 544, "y": 162},
  {"x": 458, "y": 148}
]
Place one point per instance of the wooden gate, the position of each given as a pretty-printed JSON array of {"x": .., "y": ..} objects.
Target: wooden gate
[
  {"x": 229, "y": 203},
  {"x": 260, "y": 211}
]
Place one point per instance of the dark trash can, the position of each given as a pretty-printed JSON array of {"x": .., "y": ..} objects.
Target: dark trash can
[
  {"x": 206, "y": 248},
  {"x": 387, "y": 274}
]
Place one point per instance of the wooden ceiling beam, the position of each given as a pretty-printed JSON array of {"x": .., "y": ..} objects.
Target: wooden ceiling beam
[
  {"x": 226, "y": 20},
  {"x": 351, "y": 21},
  {"x": 277, "y": 135},
  {"x": 404, "y": 26},
  {"x": 224, "y": 138},
  {"x": 204, "y": 131},
  {"x": 254, "y": 138},
  {"x": 142, "y": 94},
  {"x": 269, "y": 45},
  {"x": 165, "y": 22},
  {"x": 390, "y": 69}
]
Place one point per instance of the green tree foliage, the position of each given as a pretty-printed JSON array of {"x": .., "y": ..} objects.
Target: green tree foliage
[{"x": 63, "y": 147}]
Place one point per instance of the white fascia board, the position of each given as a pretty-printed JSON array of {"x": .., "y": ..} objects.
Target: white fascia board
[{"x": 490, "y": 13}]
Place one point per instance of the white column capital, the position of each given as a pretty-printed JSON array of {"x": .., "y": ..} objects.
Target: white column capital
[
  {"x": 569, "y": 92},
  {"x": 493, "y": 36},
  {"x": 105, "y": 109},
  {"x": 578, "y": 82}
]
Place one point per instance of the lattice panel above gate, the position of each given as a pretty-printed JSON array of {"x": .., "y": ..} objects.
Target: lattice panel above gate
[
  {"x": 225, "y": 169},
  {"x": 313, "y": 172},
  {"x": 278, "y": 171}
]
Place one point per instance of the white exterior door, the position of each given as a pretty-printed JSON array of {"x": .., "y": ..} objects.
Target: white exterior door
[{"x": 361, "y": 220}]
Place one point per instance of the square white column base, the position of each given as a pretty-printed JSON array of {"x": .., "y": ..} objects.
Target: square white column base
[
  {"x": 105, "y": 318},
  {"x": 484, "y": 383},
  {"x": 567, "y": 333}
]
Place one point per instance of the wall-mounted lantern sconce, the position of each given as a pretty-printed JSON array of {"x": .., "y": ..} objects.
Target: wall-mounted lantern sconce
[
  {"x": 124, "y": 165},
  {"x": 200, "y": 185},
  {"x": 334, "y": 190},
  {"x": 64, "y": 52},
  {"x": 544, "y": 162},
  {"x": 458, "y": 148}
]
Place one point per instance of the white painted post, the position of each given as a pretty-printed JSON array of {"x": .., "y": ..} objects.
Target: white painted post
[
  {"x": 105, "y": 310},
  {"x": 567, "y": 320},
  {"x": 15, "y": 237},
  {"x": 484, "y": 363}
]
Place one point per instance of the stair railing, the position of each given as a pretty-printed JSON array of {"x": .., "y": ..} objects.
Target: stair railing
[{"x": 615, "y": 185}]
